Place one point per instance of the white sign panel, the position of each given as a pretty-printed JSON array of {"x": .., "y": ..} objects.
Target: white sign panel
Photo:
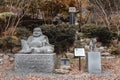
[
  {"x": 79, "y": 51},
  {"x": 72, "y": 9}
]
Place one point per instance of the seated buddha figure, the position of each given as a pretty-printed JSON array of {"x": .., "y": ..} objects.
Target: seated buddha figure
[{"x": 37, "y": 43}]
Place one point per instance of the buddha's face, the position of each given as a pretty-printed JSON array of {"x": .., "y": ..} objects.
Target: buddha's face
[{"x": 37, "y": 32}]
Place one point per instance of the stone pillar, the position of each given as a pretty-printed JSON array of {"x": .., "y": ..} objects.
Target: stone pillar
[{"x": 94, "y": 62}]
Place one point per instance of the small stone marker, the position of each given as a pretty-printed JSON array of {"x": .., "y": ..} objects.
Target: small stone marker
[
  {"x": 94, "y": 62},
  {"x": 65, "y": 66},
  {"x": 65, "y": 62}
]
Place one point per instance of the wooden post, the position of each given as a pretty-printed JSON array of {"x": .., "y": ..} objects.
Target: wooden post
[{"x": 79, "y": 63}]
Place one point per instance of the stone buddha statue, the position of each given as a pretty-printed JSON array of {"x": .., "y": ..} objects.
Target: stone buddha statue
[
  {"x": 37, "y": 43},
  {"x": 92, "y": 44}
]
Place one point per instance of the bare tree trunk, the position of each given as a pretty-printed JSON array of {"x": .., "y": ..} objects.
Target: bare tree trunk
[
  {"x": 105, "y": 16},
  {"x": 13, "y": 22}
]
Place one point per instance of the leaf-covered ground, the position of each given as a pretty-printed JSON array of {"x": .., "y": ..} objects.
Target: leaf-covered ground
[{"x": 110, "y": 71}]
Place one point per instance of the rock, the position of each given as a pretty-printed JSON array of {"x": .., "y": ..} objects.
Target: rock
[
  {"x": 87, "y": 41},
  {"x": 87, "y": 48},
  {"x": 10, "y": 55},
  {"x": 11, "y": 59},
  {"x": 65, "y": 67},
  {"x": 71, "y": 49},
  {"x": 98, "y": 44},
  {"x": 6, "y": 57},
  {"x": 61, "y": 71},
  {"x": 115, "y": 42},
  {"x": 101, "y": 49},
  {"x": 1, "y": 55},
  {"x": 1, "y": 61},
  {"x": 82, "y": 40},
  {"x": 70, "y": 55},
  {"x": 105, "y": 54}
]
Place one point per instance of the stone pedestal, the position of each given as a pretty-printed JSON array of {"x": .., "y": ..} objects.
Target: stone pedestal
[
  {"x": 94, "y": 62},
  {"x": 44, "y": 63}
]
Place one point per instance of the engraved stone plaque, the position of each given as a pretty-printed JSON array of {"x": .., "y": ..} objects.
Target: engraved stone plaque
[
  {"x": 35, "y": 62},
  {"x": 94, "y": 62}
]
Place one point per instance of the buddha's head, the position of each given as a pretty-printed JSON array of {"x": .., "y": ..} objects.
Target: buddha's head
[{"x": 37, "y": 32}]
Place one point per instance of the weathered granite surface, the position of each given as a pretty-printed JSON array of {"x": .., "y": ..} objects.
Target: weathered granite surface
[
  {"x": 44, "y": 63},
  {"x": 94, "y": 62}
]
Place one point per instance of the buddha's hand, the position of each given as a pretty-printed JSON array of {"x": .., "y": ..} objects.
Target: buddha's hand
[
  {"x": 39, "y": 44},
  {"x": 43, "y": 43}
]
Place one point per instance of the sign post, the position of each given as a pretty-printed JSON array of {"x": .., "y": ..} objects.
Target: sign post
[
  {"x": 72, "y": 11},
  {"x": 79, "y": 52},
  {"x": 79, "y": 63}
]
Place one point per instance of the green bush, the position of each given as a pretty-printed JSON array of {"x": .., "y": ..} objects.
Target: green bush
[
  {"x": 114, "y": 50},
  {"x": 103, "y": 34},
  {"x": 22, "y": 33},
  {"x": 62, "y": 36},
  {"x": 10, "y": 42},
  {"x": 7, "y": 43},
  {"x": 87, "y": 29},
  {"x": 32, "y": 26}
]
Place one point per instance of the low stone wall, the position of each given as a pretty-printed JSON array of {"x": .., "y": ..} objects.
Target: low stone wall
[{"x": 44, "y": 63}]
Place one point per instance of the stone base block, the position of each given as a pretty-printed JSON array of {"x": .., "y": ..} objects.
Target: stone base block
[{"x": 44, "y": 63}]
